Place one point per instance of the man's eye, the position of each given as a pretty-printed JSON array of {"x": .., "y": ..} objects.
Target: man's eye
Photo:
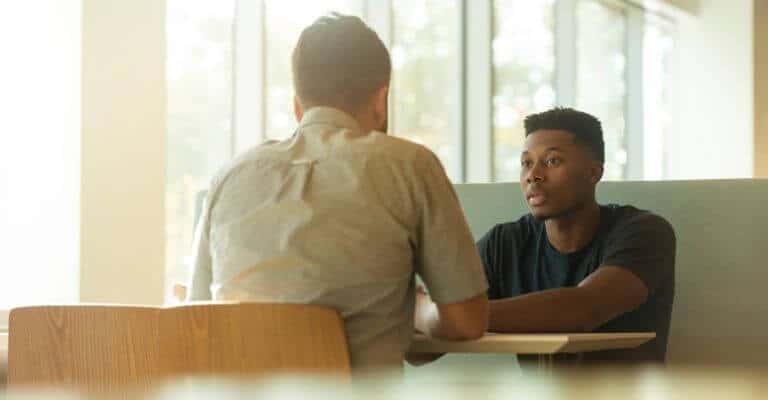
[
  {"x": 525, "y": 164},
  {"x": 553, "y": 162}
]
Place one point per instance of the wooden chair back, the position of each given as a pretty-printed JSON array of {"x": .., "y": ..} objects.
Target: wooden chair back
[{"x": 100, "y": 347}]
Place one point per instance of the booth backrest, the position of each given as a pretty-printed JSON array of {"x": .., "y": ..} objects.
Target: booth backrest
[{"x": 720, "y": 314}]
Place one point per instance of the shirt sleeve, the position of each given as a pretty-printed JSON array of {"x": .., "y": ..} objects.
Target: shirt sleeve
[
  {"x": 446, "y": 256},
  {"x": 486, "y": 248},
  {"x": 201, "y": 273},
  {"x": 644, "y": 245}
]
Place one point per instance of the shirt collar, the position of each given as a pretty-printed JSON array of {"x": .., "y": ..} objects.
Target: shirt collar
[{"x": 328, "y": 116}]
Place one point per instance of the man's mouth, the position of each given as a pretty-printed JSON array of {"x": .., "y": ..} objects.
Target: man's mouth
[{"x": 535, "y": 199}]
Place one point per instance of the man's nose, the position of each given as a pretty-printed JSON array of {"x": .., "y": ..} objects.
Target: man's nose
[{"x": 534, "y": 175}]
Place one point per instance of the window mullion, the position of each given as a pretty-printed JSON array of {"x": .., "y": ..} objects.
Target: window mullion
[
  {"x": 249, "y": 71},
  {"x": 477, "y": 98},
  {"x": 634, "y": 123},
  {"x": 565, "y": 52}
]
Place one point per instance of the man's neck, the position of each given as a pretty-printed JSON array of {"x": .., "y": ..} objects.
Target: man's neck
[
  {"x": 572, "y": 232},
  {"x": 367, "y": 122}
]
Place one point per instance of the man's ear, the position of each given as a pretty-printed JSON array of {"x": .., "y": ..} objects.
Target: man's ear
[
  {"x": 298, "y": 112},
  {"x": 380, "y": 107},
  {"x": 596, "y": 172}
]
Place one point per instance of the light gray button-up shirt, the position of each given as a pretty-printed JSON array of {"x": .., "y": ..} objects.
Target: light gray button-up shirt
[{"x": 338, "y": 217}]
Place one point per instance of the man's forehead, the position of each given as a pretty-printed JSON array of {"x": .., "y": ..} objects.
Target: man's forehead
[{"x": 542, "y": 140}]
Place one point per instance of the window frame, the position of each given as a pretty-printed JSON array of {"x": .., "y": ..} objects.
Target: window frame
[
  {"x": 250, "y": 71},
  {"x": 477, "y": 100},
  {"x": 630, "y": 115},
  {"x": 474, "y": 115},
  {"x": 475, "y": 146}
]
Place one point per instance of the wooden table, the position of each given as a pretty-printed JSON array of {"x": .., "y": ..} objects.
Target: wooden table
[{"x": 543, "y": 345}]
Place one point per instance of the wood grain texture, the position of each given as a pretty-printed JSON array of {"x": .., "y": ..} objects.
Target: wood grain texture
[
  {"x": 100, "y": 347},
  {"x": 254, "y": 339},
  {"x": 761, "y": 88}
]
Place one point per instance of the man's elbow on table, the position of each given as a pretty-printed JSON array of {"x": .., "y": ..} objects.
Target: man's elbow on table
[{"x": 466, "y": 320}]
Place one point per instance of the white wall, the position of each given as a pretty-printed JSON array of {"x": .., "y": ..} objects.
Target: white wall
[
  {"x": 40, "y": 43},
  {"x": 123, "y": 151},
  {"x": 712, "y": 136}
]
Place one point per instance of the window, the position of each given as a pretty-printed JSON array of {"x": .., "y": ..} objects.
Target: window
[
  {"x": 465, "y": 75},
  {"x": 285, "y": 19},
  {"x": 426, "y": 80},
  {"x": 601, "y": 77},
  {"x": 658, "y": 44},
  {"x": 199, "y": 142},
  {"x": 523, "y": 83}
]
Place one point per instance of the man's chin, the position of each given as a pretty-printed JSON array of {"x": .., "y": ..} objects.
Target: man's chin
[
  {"x": 545, "y": 214},
  {"x": 540, "y": 215},
  {"x": 547, "y": 211}
]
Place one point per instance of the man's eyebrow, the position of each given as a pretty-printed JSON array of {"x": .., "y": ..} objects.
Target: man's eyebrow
[{"x": 547, "y": 150}]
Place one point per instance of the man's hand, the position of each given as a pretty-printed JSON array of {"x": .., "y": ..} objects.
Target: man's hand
[
  {"x": 423, "y": 301},
  {"x": 424, "y": 306}
]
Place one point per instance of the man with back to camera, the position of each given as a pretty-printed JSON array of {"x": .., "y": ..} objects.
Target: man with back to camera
[
  {"x": 340, "y": 214},
  {"x": 573, "y": 265}
]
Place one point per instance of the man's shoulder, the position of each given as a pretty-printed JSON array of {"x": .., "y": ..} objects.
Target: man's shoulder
[
  {"x": 624, "y": 215},
  {"x": 630, "y": 221},
  {"x": 249, "y": 157},
  {"x": 375, "y": 145},
  {"x": 398, "y": 148}
]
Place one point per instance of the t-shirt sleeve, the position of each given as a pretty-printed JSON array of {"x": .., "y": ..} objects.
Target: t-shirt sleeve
[
  {"x": 486, "y": 247},
  {"x": 645, "y": 245},
  {"x": 446, "y": 257}
]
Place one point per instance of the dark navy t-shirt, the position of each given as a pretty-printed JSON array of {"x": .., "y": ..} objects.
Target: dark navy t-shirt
[{"x": 519, "y": 259}]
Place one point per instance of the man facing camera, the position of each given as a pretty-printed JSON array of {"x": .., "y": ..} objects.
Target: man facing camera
[
  {"x": 573, "y": 265},
  {"x": 342, "y": 215}
]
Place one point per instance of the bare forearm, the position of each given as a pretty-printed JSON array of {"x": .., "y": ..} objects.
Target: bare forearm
[
  {"x": 461, "y": 321},
  {"x": 556, "y": 310},
  {"x": 428, "y": 322}
]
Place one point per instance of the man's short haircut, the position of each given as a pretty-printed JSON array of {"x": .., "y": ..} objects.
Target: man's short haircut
[
  {"x": 339, "y": 62},
  {"x": 586, "y": 129}
]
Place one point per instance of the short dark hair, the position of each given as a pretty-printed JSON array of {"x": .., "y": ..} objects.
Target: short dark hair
[
  {"x": 339, "y": 62},
  {"x": 586, "y": 128}
]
